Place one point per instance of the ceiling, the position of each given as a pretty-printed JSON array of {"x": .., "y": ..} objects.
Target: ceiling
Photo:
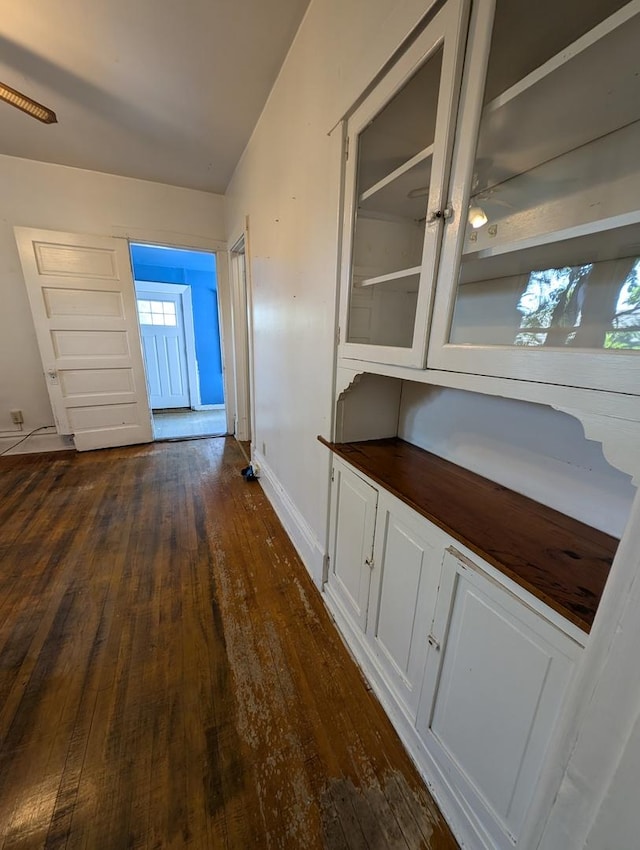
[{"x": 163, "y": 90}]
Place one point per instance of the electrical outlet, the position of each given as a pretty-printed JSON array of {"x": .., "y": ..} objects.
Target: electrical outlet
[{"x": 16, "y": 417}]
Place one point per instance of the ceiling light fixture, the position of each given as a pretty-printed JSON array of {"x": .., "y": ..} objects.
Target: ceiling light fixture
[
  {"x": 26, "y": 104},
  {"x": 477, "y": 217}
]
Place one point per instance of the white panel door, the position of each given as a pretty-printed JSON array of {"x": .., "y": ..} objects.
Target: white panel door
[
  {"x": 163, "y": 343},
  {"x": 408, "y": 558},
  {"x": 83, "y": 305},
  {"x": 495, "y": 679},
  {"x": 353, "y": 514}
]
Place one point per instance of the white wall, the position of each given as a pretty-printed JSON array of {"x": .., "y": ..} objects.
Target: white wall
[
  {"x": 530, "y": 448},
  {"x": 36, "y": 194},
  {"x": 288, "y": 184}
]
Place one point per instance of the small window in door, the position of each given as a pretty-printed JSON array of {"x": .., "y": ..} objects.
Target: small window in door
[{"x": 157, "y": 313}]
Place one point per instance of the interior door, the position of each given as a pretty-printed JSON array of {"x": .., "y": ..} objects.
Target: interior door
[
  {"x": 83, "y": 305},
  {"x": 163, "y": 343}
]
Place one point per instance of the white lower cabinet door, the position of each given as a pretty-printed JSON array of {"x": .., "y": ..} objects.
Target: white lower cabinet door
[
  {"x": 353, "y": 519},
  {"x": 495, "y": 680},
  {"x": 408, "y": 557}
]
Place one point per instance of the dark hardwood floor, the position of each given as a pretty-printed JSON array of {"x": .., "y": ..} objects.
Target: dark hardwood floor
[{"x": 169, "y": 676}]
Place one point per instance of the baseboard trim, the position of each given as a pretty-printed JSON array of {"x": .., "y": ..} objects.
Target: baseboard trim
[
  {"x": 36, "y": 443},
  {"x": 300, "y": 532},
  {"x": 467, "y": 831}
]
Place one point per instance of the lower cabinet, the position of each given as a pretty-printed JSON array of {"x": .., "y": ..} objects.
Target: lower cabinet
[
  {"x": 404, "y": 587},
  {"x": 353, "y": 517},
  {"x": 470, "y": 668},
  {"x": 494, "y": 682}
]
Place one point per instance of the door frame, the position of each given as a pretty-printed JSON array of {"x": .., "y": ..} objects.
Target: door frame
[
  {"x": 186, "y": 305},
  {"x": 142, "y": 236},
  {"x": 241, "y": 306}
]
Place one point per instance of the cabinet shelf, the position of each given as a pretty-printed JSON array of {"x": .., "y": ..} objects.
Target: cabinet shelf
[
  {"x": 387, "y": 278},
  {"x": 420, "y": 157},
  {"x": 404, "y": 192},
  {"x": 586, "y": 91},
  {"x": 598, "y": 242}
]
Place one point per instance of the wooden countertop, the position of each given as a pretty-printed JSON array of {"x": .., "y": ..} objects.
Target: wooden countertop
[{"x": 561, "y": 561}]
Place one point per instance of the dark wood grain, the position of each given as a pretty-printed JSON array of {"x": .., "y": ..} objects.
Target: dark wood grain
[
  {"x": 169, "y": 676},
  {"x": 563, "y": 562}
]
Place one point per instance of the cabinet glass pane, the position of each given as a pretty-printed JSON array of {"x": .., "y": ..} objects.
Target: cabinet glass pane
[
  {"x": 394, "y": 156},
  {"x": 552, "y": 246}
]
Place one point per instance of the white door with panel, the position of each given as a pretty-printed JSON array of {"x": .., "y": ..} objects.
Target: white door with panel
[
  {"x": 495, "y": 679},
  {"x": 83, "y": 304},
  {"x": 164, "y": 346},
  {"x": 353, "y": 515},
  {"x": 408, "y": 558}
]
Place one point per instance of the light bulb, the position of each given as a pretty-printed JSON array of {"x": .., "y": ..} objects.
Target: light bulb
[{"x": 477, "y": 217}]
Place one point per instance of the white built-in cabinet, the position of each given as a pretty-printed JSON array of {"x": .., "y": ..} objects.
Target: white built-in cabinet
[
  {"x": 470, "y": 667},
  {"x": 399, "y": 151},
  {"x": 503, "y": 239}
]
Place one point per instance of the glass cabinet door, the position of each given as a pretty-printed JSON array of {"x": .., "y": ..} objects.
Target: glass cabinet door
[
  {"x": 399, "y": 145},
  {"x": 544, "y": 255}
]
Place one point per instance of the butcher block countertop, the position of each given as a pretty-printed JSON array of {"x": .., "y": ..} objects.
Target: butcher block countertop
[{"x": 561, "y": 561}]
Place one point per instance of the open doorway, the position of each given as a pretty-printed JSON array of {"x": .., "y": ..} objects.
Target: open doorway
[{"x": 177, "y": 300}]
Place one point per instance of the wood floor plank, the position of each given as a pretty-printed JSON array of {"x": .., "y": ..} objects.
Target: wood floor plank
[{"x": 169, "y": 675}]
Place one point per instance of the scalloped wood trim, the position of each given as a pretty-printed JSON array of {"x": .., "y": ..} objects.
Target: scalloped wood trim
[
  {"x": 345, "y": 379},
  {"x": 620, "y": 439}
]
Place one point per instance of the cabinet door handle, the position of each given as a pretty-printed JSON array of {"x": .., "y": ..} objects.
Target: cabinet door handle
[
  {"x": 433, "y": 642},
  {"x": 369, "y": 562},
  {"x": 444, "y": 214}
]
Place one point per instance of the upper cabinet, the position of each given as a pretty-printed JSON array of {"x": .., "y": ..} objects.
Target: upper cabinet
[
  {"x": 399, "y": 153},
  {"x": 492, "y": 222},
  {"x": 539, "y": 277}
]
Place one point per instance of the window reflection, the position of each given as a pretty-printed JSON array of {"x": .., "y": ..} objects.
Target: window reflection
[{"x": 596, "y": 305}]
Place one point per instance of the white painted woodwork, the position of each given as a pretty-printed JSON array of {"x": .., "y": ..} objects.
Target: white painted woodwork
[
  {"x": 84, "y": 312},
  {"x": 421, "y": 157},
  {"x": 407, "y": 558},
  {"x": 166, "y": 358},
  {"x": 390, "y": 328},
  {"x": 240, "y": 303},
  {"x": 353, "y": 513},
  {"x": 385, "y": 278},
  {"x": 494, "y": 686},
  {"x": 368, "y": 409},
  {"x": 579, "y": 206},
  {"x": 545, "y": 454}
]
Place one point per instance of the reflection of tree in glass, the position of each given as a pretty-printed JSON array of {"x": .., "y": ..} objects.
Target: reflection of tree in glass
[
  {"x": 626, "y": 322},
  {"x": 596, "y": 305}
]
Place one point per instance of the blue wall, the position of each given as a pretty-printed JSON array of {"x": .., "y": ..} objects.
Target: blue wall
[{"x": 170, "y": 265}]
